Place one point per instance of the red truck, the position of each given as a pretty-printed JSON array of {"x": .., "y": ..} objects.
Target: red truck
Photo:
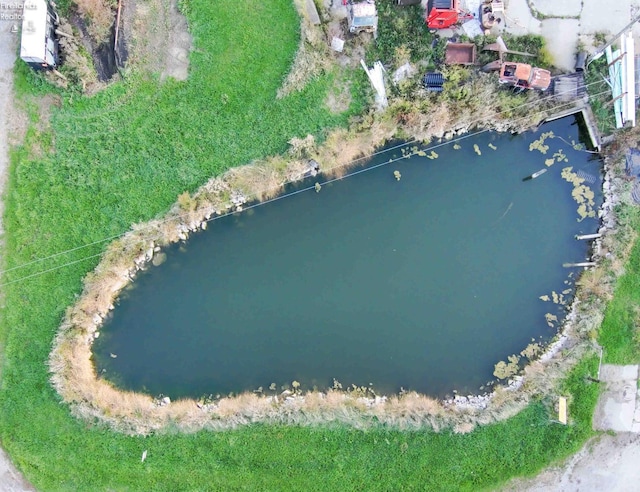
[
  {"x": 524, "y": 76},
  {"x": 444, "y": 14}
]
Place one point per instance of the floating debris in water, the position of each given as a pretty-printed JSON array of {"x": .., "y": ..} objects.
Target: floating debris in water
[
  {"x": 477, "y": 149},
  {"x": 433, "y": 155},
  {"x": 551, "y": 319},
  {"x": 457, "y": 146},
  {"x": 421, "y": 153},
  {"x": 113, "y": 356},
  {"x": 549, "y": 162},
  {"x": 318, "y": 187},
  {"x": 589, "y": 178},
  {"x": 544, "y": 298},
  {"x": 581, "y": 193},
  {"x": 577, "y": 145},
  {"x": 397, "y": 175},
  {"x": 539, "y": 144},
  {"x": 566, "y": 291},
  {"x": 559, "y": 156},
  {"x": 492, "y": 147}
]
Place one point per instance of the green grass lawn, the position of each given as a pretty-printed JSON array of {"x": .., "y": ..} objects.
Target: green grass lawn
[
  {"x": 619, "y": 334},
  {"x": 123, "y": 157}
]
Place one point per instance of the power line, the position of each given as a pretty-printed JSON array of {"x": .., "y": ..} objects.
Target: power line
[
  {"x": 404, "y": 144},
  {"x": 110, "y": 238}
]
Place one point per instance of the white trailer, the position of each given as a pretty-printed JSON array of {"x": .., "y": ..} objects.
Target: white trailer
[{"x": 39, "y": 46}]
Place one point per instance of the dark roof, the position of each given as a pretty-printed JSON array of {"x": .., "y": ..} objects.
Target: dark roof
[{"x": 433, "y": 81}]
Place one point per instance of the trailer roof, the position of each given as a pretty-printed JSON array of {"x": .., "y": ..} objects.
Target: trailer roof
[
  {"x": 364, "y": 9},
  {"x": 34, "y": 29}
]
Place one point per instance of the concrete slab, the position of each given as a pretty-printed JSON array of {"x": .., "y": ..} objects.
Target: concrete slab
[
  {"x": 609, "y": 17},
  {"x": 555, "y": 8},
  {"x": 561, "y": 36},
  {"x": 616, "y": 408},
  {"x": 610, "y": 373},
  {"x": 519, "y": 20}
]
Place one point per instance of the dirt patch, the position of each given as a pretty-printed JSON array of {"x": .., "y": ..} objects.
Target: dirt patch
[
  {"x": 604, "y": 463},
  {"x": 103, "y": 53},
  {"x": 338, "y": 99},
  {"x": 18, "y": 118},
  {"x": 158, "y": 37}
]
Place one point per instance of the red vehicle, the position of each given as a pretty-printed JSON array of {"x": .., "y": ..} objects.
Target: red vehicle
[
  {"x": 524, "y": 76},
  {"x": 444, "y": 14}
]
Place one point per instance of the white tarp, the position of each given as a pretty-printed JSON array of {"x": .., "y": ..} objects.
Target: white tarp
[{"x": 376, "y": 76}]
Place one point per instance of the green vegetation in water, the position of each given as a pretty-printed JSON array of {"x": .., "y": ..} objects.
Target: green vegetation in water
[
  {"x": 539, "y": 144},
  {"x": 581, "y": 193}
]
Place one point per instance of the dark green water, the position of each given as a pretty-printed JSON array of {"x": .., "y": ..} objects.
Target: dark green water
[{"x": 423, "y": 283}]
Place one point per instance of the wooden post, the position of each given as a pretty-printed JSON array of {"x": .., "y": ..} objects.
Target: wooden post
[
  {"x": 115, "y": 41},
  {"x": 562, "y": 410}
]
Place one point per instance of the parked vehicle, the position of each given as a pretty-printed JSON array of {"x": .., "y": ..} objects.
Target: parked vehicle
[
  {"x": 39, "y": 46},
  {"x": 362, "y": 17},
  {"x": 445, "y": 13},
  {"x": 524, "y": 76}
]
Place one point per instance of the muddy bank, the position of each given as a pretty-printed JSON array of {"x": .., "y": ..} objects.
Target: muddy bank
[
  {"x": 107, "y": 57},
  {"x": 73, "y": 373}
]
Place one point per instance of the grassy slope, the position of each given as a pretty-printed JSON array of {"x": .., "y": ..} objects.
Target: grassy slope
[
  {"x": 619, "y": 334},
  {"x": 113, "y": 167}
]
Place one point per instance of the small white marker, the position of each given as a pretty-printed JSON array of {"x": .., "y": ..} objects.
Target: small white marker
[
  {"x": 14, "y": 29},
  {"x": 144, "y": 456}
]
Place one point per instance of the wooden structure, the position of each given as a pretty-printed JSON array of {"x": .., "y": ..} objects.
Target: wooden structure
[{"x": 562, "y": 410}]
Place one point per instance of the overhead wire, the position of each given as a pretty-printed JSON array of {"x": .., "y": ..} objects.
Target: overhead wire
[
  {"x": 387, "y": 149},
  {"x": 351, "y": 163}
]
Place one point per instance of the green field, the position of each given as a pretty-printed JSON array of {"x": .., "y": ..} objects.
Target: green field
[
  {"x": 123, "y": 157},
  {"x": 620, "y": 332}
]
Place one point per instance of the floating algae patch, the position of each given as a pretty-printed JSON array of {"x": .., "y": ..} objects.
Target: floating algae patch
[
  {"x": 544, "y": 298},
  {"x": 432, "y": 155},
  {"x": 581, "y": 193},
  {"x": 422, "y": 282},
  {"x": 492, "y": 147},
  {"x": 476, "y": 149},
  {"x": 539, "y": 144},
  {"x": 552, "y": 319},
  {"x": 457, "y": 146},
  {"x": 549, "y": 162},
  {"x": 560, "y": 156}
]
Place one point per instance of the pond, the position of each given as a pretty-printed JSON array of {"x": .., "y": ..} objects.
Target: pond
[{"x": 419, "y": 283}]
